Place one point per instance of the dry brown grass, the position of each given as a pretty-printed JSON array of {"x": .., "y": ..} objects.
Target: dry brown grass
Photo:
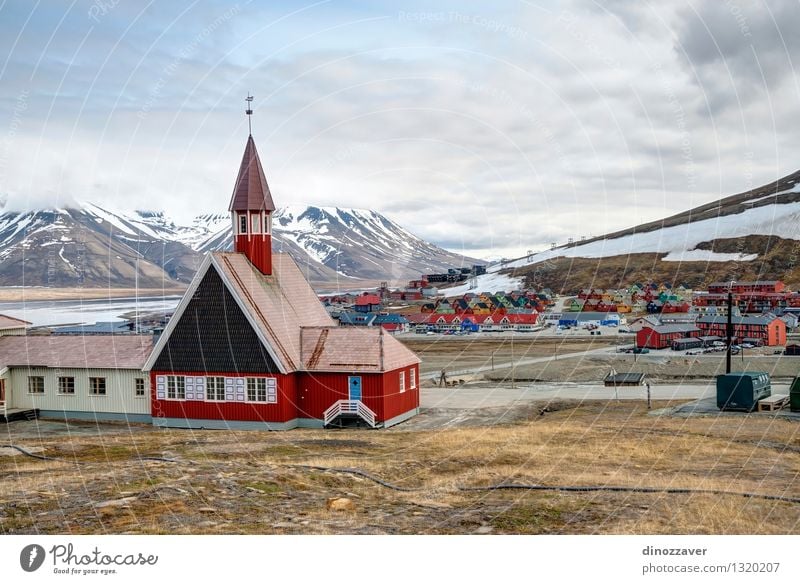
[
  {"x": 19, "y": 294},
  {"x": 252, "y": 482}
]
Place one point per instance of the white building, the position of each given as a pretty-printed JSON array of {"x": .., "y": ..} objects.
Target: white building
[
  {"x": 12, "y": 326},
  {"x": 92, "y": 377}
]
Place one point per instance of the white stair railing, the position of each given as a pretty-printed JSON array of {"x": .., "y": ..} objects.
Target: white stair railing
[{"x": 349, "y": 406}]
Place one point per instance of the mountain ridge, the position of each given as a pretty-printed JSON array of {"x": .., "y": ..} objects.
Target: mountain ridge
[
  {"x": 87, "y": 245},
  {"x": 754, "y": 234}
]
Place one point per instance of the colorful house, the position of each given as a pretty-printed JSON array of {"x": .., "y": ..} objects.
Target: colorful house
[{"x": 367, "y": 303}]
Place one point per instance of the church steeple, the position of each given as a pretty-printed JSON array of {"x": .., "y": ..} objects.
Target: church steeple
[{"x": 251, "y": 209}]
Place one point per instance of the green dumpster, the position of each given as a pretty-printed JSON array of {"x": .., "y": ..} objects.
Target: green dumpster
[
  {"x": 741, "y": 391},
  {"x": 794, "y": 395}
]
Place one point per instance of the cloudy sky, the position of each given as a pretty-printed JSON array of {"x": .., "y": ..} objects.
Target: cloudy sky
[{"x": 488, "y": 128}]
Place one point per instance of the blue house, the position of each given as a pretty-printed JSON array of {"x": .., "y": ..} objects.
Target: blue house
[{"x": 356, "y": 319}]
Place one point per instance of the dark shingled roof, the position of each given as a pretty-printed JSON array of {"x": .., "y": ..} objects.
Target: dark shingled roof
[
  {"x": 251, "y": 191},
  {"x": 674, "y": 328},
  {"x": 763, "y": 319}
]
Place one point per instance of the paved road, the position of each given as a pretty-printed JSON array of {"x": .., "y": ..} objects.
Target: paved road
[
  {"x": 518, "y": 363},
  {"x": 482, "y": 395}
]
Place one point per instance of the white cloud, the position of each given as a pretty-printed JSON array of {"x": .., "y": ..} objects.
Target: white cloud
[{"x": 495, "y": 130}]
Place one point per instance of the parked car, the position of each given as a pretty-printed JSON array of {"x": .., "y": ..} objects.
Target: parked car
[{"x": 640, "y": 350}]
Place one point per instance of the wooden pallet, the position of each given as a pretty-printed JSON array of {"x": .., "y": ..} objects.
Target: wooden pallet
[{"x": 773, "y": 403}]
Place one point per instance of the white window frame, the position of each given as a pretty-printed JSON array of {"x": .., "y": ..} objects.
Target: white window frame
[
  {"x": 402, "y": 381},
  {"x": 95, "y": 391},
  {"x": 136, "y": 388},
  {"x": 412, "y": 377},
  {"x": 256, "y": 385},
  {"x": 178, "y": 389},
  {"x": 255, "y": 223},
  {"x": 212, "y": 387},
  {"x": 60, "y": 388},
  {"x": 30, "y": 384}
]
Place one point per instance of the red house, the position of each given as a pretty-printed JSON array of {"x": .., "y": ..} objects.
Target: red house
[
  {"x": 367, "y": 303},
  {"x": 661, "y": 336},
  {"x": 765, "y": 329},
  {"x": 251, "y": 347}
]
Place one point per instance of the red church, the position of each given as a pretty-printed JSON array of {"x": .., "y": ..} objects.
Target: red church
[{"x": 251, "y": 347}]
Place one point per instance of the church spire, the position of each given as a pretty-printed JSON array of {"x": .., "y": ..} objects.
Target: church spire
[
  {"x": 249, "y": 111},
  {"x": 251, "y": 207}
]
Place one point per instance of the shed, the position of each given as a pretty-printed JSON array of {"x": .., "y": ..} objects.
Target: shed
[{"x": 623, "y": 379}]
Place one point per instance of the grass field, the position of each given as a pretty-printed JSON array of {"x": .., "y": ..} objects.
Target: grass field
[{"x": 254, "y": 482}]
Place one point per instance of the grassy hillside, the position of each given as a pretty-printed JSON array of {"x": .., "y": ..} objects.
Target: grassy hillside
[{"x": 778, "y": 259}]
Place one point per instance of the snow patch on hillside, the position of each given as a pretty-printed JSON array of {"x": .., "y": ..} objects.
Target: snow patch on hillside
[
  {"x": 486, "y": 283},
  {"x": 780, "y": 220},
  {"x": 704, "y": 255}
]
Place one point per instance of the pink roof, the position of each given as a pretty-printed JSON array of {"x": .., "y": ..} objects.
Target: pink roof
[
  {"x": 251, "y": 191},
  {"x": 279, "y": 304},
  {"x": 293, "y": 324},
  {"x": 88, "y": 351},
  {"x": 9, "y": 322},
  {"x": 353, "y": 349}
]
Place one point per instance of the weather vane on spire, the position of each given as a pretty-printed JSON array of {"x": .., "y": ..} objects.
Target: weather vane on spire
[{"x": 249, "y": 112}]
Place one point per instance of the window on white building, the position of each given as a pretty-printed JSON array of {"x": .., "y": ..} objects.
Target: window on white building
[
  {"x": 255, "y": 221},
  {"x": 97, "y": 386},
  {"x": 66, "y": 385},
  {"x": 35, "y": 384},
  {"x": 139, "y": 387},
  {"x": 176, "y": 387},
  {"x": 243, "y": 223}
]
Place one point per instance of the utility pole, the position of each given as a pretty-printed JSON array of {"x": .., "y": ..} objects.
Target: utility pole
[
  {"x": 729, "y": 332},
  {"x": 513, "y": 362}
]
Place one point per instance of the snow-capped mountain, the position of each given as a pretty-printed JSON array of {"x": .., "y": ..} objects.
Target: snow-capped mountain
[
  {"x": 92, "y": 246},
  {"x": 355, "y": 243},
  {"x": 753, "y": 234}
]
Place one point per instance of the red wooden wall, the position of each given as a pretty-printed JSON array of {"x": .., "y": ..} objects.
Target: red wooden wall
[
  {"x": 282, "y": 411},
  {"x": 300, "y": 395},
  {"x": 258, "y": 249}
]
